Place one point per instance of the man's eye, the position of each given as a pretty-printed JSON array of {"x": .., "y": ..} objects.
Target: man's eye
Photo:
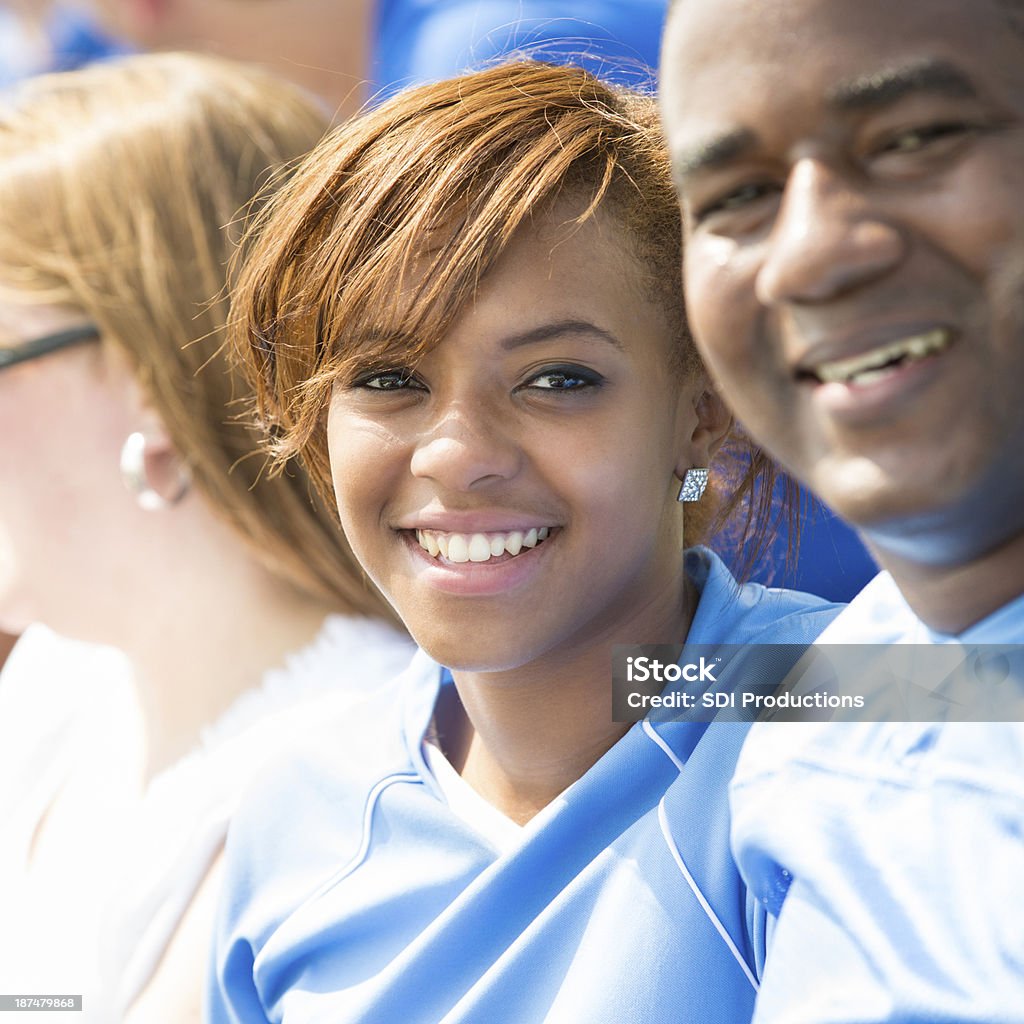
[
  {"x": 737, "y": 199},
  {"x": 919, "y": 138},
  {"x": 387, "y": 380},
  {"x": 565, "y": 379}
]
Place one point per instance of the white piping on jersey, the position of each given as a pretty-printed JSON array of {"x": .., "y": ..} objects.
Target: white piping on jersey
[
  {"x": 666, "y": 749},
  {"x": 677, "y": 857},
  {"x": 371, "y": 803},
  {"x": 360, "y": 855}
]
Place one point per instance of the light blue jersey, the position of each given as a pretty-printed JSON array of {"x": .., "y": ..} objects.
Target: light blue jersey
[
  {"x": 892, "y": 853},
  {"x": 356, "y": 893}
]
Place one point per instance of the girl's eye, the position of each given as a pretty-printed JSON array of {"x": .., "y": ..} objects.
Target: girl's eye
[
  {"x": 565, "y": 378},
  {"x": 388, "y": 380}
]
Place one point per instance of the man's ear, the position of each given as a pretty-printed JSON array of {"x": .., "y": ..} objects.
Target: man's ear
[{"x": 712, "y": 426}]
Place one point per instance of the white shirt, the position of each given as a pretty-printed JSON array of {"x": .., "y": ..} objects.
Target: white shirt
[{"x": 69, "y": 725}]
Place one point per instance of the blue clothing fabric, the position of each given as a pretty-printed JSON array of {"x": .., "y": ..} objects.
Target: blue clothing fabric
[
  {"x": 892, "y": 853},
  {"x": 355, "y": 893},
  {"x": 72, "y": 41},
  {"x": 76, "y": 41},
  {"x": 832, "y": 561},
  {"x": 423, "y": 40}
]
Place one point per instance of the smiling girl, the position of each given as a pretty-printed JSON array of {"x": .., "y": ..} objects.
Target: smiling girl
[{"x": 465, "y": 316}]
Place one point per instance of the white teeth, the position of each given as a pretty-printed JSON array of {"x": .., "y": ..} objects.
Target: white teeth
[
  {"x": 873, "y": 365},
  {"x": 870, "y": 376},
  {"x": 428, "y": 542},
  {"x": 479, "y": 547},
  {"x": 458, "y": 549}
]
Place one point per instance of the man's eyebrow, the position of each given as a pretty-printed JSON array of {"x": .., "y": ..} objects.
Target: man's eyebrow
[
  {"x": 545, "y": 332},
  {"x": 880, "y": 88},
  {"x": 711, "y": 153}
]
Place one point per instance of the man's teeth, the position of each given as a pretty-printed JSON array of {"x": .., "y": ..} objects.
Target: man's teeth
[
  {"x": 873, "y": 365},
  {"x": 479, "y": 547}
]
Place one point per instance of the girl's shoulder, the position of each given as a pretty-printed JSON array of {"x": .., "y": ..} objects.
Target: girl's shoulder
[
  {"x": 303, "y": 818},
  {"x": 745, "y": 613}
]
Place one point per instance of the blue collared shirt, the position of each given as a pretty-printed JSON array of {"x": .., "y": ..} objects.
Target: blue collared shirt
[{"x": 893, "y": 853}]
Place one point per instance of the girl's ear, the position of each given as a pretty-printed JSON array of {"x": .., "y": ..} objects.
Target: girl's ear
[
  {"x": 151, "y": 466},
  {"x": 712, "y": 426}
]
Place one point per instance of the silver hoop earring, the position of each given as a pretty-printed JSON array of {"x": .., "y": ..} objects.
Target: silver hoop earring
[
  {"x": 136, "y": 479},
  {"x": 695, "y": 483}
]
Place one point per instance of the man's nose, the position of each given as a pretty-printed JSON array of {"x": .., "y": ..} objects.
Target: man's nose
[{"x": 826, "y": 240}]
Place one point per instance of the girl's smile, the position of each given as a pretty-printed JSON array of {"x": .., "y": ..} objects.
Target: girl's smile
[
  {"x": 458, "y": 548},
  {"x": 478, "y": 563}
]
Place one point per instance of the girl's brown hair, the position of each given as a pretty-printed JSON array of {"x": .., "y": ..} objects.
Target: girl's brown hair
[
  {"x": 120, "y": 187},
  {"x": 384, "y": 234}
]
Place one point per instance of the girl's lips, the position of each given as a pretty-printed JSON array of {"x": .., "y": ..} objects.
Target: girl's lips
[
  {"x": 494, "y": 575},
  {"x": 479, "y": 546}
]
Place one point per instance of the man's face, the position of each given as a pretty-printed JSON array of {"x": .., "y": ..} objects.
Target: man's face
[{"x": 852, "y": 180}]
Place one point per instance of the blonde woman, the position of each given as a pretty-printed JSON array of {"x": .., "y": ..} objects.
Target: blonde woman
[{"x": 133, "y": 513}]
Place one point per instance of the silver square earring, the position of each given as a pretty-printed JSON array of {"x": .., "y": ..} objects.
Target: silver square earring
[{"x": 695, "y": 482}]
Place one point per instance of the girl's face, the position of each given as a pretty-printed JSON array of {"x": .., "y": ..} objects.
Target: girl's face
[
  {"x": 513, "y": 494},
  {"x": 63, "y": 418}
]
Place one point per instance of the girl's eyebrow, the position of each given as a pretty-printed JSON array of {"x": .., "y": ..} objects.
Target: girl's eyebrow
[{"x": 556, "y": 328}]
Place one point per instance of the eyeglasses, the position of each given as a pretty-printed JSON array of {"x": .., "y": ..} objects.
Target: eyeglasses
[{"x": 48, "y": 343}]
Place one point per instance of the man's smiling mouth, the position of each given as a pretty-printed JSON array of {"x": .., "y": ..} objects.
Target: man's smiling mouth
[
  {"x": 874, "y": 365},
  {"x": 479, "y": 547}
]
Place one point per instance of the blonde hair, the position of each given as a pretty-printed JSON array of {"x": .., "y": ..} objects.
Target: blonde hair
[
  {"x": 438, "y": 180},
  {"x": 120, "y": 187}
]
